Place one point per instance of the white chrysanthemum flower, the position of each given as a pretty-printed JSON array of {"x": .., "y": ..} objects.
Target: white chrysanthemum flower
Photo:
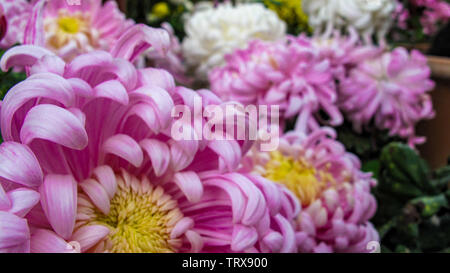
[
  {"x": 367, "y": 16},
  {"x": 214, "y": 32}
]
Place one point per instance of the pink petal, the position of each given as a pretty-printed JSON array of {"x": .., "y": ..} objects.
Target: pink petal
[
  {"x": 21, "y": 56},
  {"x": 23, "y": 200},
  {"x": 159, "y": 155},
  {"x": 19, "y": 164},
  {"x": 138, "y": 39},
  {"x": 195, "y": 240},
  {"x": 88, "y": 236},
  {"x": 46, "y": 241},
  {"x": 190, "y": 185},
  {"x": 14, "y": 230},
  {"x": 243, "y": 237},
  {"x": 105, "y": 175},
  {"x": 112, "y": 90},
  {"x": 125, "y": 147},
  {"x": 181, "y": 227},
  {"x": 55, "y": 124},
  {"x": 5, "y": 203},
  {"x": 59, "y": 201},
  {"x": 97, "y": 193}
]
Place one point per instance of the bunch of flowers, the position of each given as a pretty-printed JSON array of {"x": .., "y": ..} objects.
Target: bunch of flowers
[
  {"x": 16, "y": 14},
  {"x": 70, "y": 30},
  {"x": 92, "y": 136},
  {"x": 213, "y": 32},
  {"x": 333, "y": 192},
  {"x": 416, "y": 20},
  {"x": 288, "y": 73},
  {"x": 390, "y": 89},
  {"x": 367, "y": 17}
]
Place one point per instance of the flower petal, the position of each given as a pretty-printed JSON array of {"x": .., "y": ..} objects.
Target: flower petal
[
  {"x": 190, "y": 185},
  {"x": 14, "y": 230},
  {"x": 90, "y": 235},
  {"x": 138, "y": 39},
  {"x": 46, "y": 241},
  {"x": 20, "y": 165},
  {"x": 55, "y": 124},
  {"x": 125, "y": 147},
  {"x": 59, "y": 201},
  {"x": 23, "y": 200}
]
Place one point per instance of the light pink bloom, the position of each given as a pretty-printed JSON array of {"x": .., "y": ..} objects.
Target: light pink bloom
[
  {"x": 70, "y": 30},
  {"x": 112, "y": 177},
  {"x": 290, "y": 74},
  {"x": 390, "y": 89},
  {"x": 334, "y": 193},
  {"x": 16, "y": 13}
]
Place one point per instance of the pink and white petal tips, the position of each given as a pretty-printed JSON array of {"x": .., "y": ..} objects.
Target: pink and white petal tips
[
  {"x": 289, "y": 73},
  {"x": 334, "y": 193},
  {"x": 14, "y": 206},
  {"x": 71, "y": 30},
  {"x": 391, "y": 89},
  {"x": 16, "y": 14}
]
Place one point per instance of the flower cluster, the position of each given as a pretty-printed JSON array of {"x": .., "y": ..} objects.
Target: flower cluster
[
  {"x": 333, "y": 192},
  {"x": 390, "y": 88},
  {"x": 90, "y": 160},
  {"x": 70, "y": 30},
  {"x": 288, "y": 73},
  {"x": 214, "y": 32},
  {"x": 124, "y": 185},
  {"x": 16, "y": 14},
  {"x": 368, "y": 17}
]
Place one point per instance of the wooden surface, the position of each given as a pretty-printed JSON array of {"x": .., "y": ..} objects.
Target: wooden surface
[{"x": 437, "y": 148}]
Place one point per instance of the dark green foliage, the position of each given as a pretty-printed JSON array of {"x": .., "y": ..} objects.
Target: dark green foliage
[{"x": 413, "y": 202}]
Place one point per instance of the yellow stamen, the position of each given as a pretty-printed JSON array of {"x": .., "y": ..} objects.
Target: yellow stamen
[
  {"x": 298, "y": 176},
  {"x": 140, "y": 219},
  {"x": 69, "y": 24}
]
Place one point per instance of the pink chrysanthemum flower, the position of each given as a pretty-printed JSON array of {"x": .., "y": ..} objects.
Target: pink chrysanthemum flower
[
  {"x": 69, "y": 30},
  {"x": 390, "y": 89},
  {"x": 334, "y": 193},
  {"x": 112, "y": 177},
  {"x": 16, "y": 13},
  {"x": 290, "y": 74}
]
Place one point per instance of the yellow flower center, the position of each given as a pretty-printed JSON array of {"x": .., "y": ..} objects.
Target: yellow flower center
[
  {"x": 69, "y": 25},
  {"x": 306, "y": 182},
  {"x": 140, "y": 219},
  {"x": 160, "y": 10}
]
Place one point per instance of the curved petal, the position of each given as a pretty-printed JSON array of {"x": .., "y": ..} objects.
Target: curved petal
[
  {"x": 106, "y": 177},
  {"x": 20, "y": 165},
  {"x": 59, "y": 201},
  {"x": 243, "y": 238},
  {"x": 97, "y": 194},
  {"x": 159, "y": 154},
  {"x": 190, "y": 185},
  {"x": 112, "y": 90},
  {"x": 90, "y": 235},
  {"x": 43, "y": 85},
  {"x": 23, "y": 200},
  {"x": 125, "y": 147},
  {"x": 55, "y": 124},
  {"x": 138, "y": 39},
  {"x": 46, "y": 241},
  {"x": 21, "y": 56},
  {"x": 14, "y": 230}
]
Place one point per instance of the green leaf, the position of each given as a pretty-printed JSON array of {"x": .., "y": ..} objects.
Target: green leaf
[{"x": 430, "y": 205}]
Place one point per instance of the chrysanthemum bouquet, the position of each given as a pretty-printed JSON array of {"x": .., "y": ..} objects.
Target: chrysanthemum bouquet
[{"x": 210, "y": 128}]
